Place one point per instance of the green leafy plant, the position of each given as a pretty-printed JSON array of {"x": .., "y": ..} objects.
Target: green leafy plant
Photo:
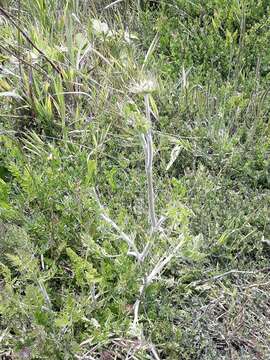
[{"x": 134, "y": 179}]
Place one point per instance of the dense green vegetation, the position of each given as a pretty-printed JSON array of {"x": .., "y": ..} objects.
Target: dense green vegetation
[{"x": 79, "y": 82}]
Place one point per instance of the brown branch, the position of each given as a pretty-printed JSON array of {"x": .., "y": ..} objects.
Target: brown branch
[
  {"x": 23, "y": 61},
  {"x": 13, "y": 22}
]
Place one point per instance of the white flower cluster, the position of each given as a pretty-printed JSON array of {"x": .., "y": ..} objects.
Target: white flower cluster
[
  {"x": 144, "y": 86},
  {"x": 102, "y": 28}
]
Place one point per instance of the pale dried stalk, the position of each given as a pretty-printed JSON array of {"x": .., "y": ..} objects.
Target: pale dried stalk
[
  {"x": 154, "y": 223},
  {"x": 163, "y": 261},
  {"x": 148, "y": 150},
  {"x": 149, "y": 154}
]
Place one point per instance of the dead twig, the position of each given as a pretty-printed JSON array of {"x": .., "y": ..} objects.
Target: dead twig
[{"x": 230, "y": 272}]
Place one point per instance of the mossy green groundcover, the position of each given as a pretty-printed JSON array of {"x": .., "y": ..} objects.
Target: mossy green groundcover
[{"x": 134, "y": 179}]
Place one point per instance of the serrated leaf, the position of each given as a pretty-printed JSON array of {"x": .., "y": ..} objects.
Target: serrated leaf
[
  {"x": 91, "y": 171},
  {"x": 85, "y": 273},
  {"x": 153, "y": 106}
]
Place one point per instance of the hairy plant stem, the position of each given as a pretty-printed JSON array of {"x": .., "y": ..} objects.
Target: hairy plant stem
[
  {"x": 149, "y": 153},
  {"x": 154, "y": 224}
]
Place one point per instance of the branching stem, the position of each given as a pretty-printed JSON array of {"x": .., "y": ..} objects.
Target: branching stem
[{"x": 123, "y": 235}]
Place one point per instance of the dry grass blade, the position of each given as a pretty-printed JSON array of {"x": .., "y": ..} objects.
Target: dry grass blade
[
  {"x": 112, "y": 4},
  {"x": 151, "y": 50}
]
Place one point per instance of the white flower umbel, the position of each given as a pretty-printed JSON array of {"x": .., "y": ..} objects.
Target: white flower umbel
[
  {"x": 100, "y": 27},
  {"x": 145, "y": 85}
]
